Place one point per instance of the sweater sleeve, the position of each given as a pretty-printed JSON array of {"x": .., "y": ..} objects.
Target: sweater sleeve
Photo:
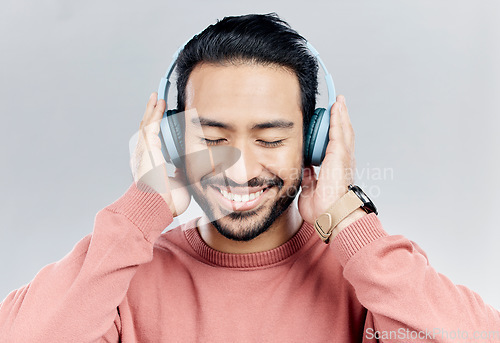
[
  {"x": 406, "y": 299},
  {"x": 76, "y": 298}
]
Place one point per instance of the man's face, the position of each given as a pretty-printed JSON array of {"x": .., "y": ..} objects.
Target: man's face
[{"x": 256, "y": 109}]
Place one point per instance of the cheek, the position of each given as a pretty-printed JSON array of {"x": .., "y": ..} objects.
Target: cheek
[
  {"x": 287, "y": 164},
  {"x": 191, "y": 143},
  {"x": 197, "y": 160},
  {"x": 192, "y": 164}
]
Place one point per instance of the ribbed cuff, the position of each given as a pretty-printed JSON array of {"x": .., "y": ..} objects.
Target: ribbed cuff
[
  {"x": 357, "y": 235},
  {"x": 145, "y": 208}
]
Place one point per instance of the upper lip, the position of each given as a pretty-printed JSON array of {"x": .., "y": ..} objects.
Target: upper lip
[{"x": 241, "y": 190}]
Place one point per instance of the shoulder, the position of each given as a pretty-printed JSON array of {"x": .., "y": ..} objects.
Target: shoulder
[{"x": 171, "y": 252}]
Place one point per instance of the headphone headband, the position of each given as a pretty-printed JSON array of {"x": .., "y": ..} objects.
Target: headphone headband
[
  {"x": 315, "y": 139},
  {"x": 165, "y": 80}
]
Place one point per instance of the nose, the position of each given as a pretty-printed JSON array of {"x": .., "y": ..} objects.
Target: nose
[{"x": 246, "y": 167}]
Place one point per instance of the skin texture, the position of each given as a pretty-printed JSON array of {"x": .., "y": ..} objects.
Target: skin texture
[{"x": 241, "y": 95}]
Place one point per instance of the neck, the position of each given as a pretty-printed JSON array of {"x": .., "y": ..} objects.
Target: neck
[{"x": 283, "y": 228}]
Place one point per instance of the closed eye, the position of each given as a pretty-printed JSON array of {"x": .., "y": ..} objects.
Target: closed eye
[
  {"x": 273, "y": 144},
  {"x": 211, "y": 141}
]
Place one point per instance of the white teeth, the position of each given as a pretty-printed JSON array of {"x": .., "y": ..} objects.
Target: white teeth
[{"x": 240, "y": 197}]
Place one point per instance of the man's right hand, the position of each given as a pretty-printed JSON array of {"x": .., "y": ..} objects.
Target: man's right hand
[{"x": 149, "y": 166}]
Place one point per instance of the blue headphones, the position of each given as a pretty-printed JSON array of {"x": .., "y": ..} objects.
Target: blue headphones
[{"x": 316, "y": 139}]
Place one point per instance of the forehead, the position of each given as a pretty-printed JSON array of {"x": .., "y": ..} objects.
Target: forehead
[{"x": 244, "y": 94}]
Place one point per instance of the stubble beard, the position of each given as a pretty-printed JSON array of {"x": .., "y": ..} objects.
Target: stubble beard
[{"x": 244, "y": 226}]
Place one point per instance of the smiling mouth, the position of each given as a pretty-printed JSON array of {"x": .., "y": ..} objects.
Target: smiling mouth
[
  {"x": 239, "y": 202},
  {"x": 240, "y": 197}
]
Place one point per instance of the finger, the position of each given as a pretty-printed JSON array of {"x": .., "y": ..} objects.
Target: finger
[
  {"x": 149, "y": 146},
  {"x": 309, "y": 181},
  {"x": 180, "y": 176},
  {"x": 150, "y": 129},
  {"x": 152, "y": 143},
  {"x": 336, "y": 133},
  {"x": 347, "y": 126},
  {"x": 151, "y": 124},
  {"x": 149, "y": 110},
  {"x": 159, "y": 110}
]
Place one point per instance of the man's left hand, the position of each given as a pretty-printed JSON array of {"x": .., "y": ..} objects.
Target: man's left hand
[{"x": 336, "y": 173}]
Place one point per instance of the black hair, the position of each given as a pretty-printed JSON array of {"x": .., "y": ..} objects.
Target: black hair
[{"x": 256, "y": 38}]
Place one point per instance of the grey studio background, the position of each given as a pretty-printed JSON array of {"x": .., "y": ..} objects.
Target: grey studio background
[{"x": 421, "y": 80}]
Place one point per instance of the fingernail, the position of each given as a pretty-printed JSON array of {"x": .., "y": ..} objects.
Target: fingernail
[
  {"x": 343, "y": 100},
  {"x": 151, "y": 96}
]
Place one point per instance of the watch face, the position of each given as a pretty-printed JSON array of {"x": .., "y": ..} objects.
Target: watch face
[{"x": 368, "y": 205}]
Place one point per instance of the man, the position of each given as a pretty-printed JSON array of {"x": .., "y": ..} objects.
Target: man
[{"x": 252, "y": 269}]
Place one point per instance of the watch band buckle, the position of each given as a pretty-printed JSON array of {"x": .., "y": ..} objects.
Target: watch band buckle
[{"x": 324, "y": 221}]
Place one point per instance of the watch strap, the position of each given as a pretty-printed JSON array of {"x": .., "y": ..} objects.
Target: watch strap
[{"x": 328, "y": 220}]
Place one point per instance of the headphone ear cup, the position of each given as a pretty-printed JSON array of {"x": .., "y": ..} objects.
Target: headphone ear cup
[
  {"x": 316, "y": 138},
  {"x": 307, "y": 139},
  {"x": 172, "y": 138},
  {"x": 311, "y": 136},
  {"x": 177, "y": 130}
]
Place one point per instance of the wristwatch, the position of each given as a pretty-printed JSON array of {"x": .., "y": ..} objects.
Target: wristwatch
[{"x": 348, "y": 203}]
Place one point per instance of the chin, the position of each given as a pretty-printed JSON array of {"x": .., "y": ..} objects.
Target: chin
[
  {"x": 244, "y": 225},
  {"x": 244, "y": 235}
]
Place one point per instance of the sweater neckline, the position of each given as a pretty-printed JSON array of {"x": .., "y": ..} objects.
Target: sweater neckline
[{"x": 247, "y": 260}]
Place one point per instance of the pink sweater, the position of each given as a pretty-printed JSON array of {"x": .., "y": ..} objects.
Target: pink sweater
[{"x": 127, "y": 282}]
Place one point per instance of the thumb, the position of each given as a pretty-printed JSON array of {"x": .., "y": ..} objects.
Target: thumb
[
  {"x": 180, "y": 177},
  {"x": 309, "y": 181}
]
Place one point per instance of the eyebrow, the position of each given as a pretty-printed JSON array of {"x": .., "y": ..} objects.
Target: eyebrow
[{"x": 273, "y": 124}]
